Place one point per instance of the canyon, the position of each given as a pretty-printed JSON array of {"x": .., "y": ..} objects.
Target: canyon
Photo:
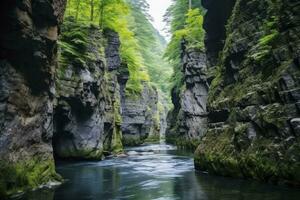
[{"x": 64, "y": 94}]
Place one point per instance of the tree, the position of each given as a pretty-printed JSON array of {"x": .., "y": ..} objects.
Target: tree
[
  {"x": 184, "y": 23},
  {"x": 141, "y": 45},
  {"x": 92, "y": 5},
  {"x": 152, "y": 45},
  {"x": 77, "y": 9}
]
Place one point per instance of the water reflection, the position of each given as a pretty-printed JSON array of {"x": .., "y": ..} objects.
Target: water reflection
[{"x": 158, "y": 172}]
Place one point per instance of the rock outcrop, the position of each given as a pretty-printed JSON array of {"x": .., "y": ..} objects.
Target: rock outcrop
[
  {"x": 253, "y": 103},
  {"x": 87, "y": 114},
  {"x": 140, "y": 116},
  {"x": 76, "y": 108},
  {"x": 28, "y": 52},
  {"x": 187, "y": 121},
  {"x": 163, "y": 123}
]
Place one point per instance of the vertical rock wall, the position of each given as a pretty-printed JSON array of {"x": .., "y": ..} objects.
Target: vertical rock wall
[
  {"x": 187, "y": 121},
  {"x": 140, "y": 116},
  {"x": 74, "y": 108},
  {"x": 253, "y": 102},
  {"x": 113, "y": 118},
  {"x": 28, "y": 52},
  {"x": 87, "y": 114}
]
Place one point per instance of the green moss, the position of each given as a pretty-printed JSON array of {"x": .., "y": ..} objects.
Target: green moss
[
  {"x": 153, "y": 139},
  {"x": 274, "y": 114},
  {"x": 131, "y": 140},
  {"x": 183, "y": 143},
  {"x": 117, "y": 115},
  {"x": 253, "y": 98},
  {"x": 133, "y": 89},
  {"x": 264, "y": 160},
  {"x": 216, "y": 153},
  {"x": 24, "y": 175},
  {"x": 117, "y": 146}
]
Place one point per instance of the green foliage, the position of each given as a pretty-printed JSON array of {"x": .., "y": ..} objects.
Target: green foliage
[
  {"x": 194, "y": 32},
  {"x": 115, "y": 15},
  {"x": 141, "y": 45},
  {"x": 73, "y": 43},
  {"x": 264, "y": 46},
  {"x": 176, "y": 13},
  {"x": 185, "y": 24},
  {"x": 267, "y": 39},
  {"x": 151, "y": 44}
]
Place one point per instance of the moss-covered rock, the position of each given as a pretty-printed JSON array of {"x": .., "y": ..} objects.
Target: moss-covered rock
[
  {"x": 188, "y": 119},
  {"x": 88, "y": 112},
  {"x": 28, "y": 174},
  {"x": 254, "y": 96},
  {"x": 27, "y": 68},
  {"x": 140, "y": 116}
]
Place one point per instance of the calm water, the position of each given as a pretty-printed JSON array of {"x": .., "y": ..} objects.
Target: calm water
[{"x": 156, "y": 172}]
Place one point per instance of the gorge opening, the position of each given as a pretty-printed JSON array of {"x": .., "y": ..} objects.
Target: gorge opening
[{"x": 97, "y": 101}]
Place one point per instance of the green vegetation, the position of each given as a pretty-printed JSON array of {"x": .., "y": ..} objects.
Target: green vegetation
[
  {"x": 73, "y": 44},
  {"x": 153, "y": 139},
  {"x": 187, "y": 34},
  {"x": 117, "y": 146},
  {"x": 23, "y": 175},
  {"x": 141, "y": 45},
  {"x": 265, "y": 159},
  {"x": 152, "y": 46},
  {"x": 256, "y": 140},
  {"x": 185, "y": 24},
  {"x": 184, "y": 143},
  {"x": 132, "y": 140},
  {"x": 266, "y": 42}
]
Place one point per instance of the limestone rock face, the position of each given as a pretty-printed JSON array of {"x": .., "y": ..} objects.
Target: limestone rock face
[
  {"x": 28, "y": 52},
  {"x": 163, "y": 123},
  {"x": 253, "y": 103},
  {"x": 88, "y": 101},
  {"x": 113, "y": 109},
  {"x": 187, "y": 121},
  {"x": 140, "y": 116}
]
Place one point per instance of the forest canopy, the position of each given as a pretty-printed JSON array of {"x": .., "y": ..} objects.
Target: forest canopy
[
  {"x": 184, "y": 23},
  {"x": 142, "y": 46}
]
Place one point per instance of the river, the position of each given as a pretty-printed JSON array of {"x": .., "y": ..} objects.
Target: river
[{"x": 153, "y": 172}]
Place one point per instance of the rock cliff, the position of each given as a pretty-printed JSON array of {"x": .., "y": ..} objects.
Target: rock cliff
[
  {"x": 28, "y": 49},
  {"x": 140, "y": 116},
  {"x": 187, "y": 121},
  {"x": 66, "y": 101},
  {"x": 94, "y": 113},
  {"x": 253, "y": 101},
  {"x": 87, "y": 114},
  {"x": 76, "y": 108}
]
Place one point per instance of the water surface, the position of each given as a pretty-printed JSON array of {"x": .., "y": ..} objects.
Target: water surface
[{"x": 153, "y": 172}]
